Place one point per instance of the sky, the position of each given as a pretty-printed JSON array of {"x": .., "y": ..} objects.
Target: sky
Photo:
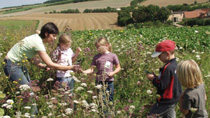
[{"x": 9, "y": 3}]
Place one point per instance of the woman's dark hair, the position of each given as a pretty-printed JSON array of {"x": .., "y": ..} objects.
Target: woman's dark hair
[{"x": 49, "y": 28}]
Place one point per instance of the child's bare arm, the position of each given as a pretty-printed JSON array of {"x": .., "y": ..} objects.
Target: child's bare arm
[
  {"x": 88, "y": 71},
  {"x": 117, "y": 69},
  {"x": 180, "y": 105},
  {"x": 74, "y": 58}
]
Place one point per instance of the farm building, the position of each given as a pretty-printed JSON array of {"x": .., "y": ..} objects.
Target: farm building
[
  {"x": 176, "y": 16},
  {"x": 199, "y": 13}
]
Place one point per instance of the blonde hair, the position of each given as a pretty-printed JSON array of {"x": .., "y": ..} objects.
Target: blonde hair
[
  {"x": 65, "y": 39},
  {"x": 189, "y": 73},
  {"x": 102, "y": 42}
]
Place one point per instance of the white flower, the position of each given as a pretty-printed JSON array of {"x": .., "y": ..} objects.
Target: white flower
[
  {"x": 94, "y": 110},
  {"x": 9, "y": 106},
  {"x": 9, "y": 101},
  {"x": 27, "y": 107},
  {"x": 75, "y": 79},
  {"x": 94, "y": 97},
  {"x": 93, "y": 105},
  {"x": 196, "y": 31},
  {"x": 98, "y": 86},
  {"x": 50, "y": 114},
  {"x": 31, "y": 94},
  {"x": 149, "y": 52},
  {"x": 75, "y": 101},
  {"x": 193, "y": 51},
  {"x": 79, "y": 88},
  {"x": 5, "y": 117},
  {"x": 91, "y": 92},
  {"x": 63, "y": 104},
  {"x": 27, "y": 115},
  {"x": 197, "y": 56},
  {"x": 207, "y": 76},
  {"x": 118, "y": 112},
  {"x": 85, "y": 104},
  {"x": 24, "y": 87},
  {"x": 180, "y": 48},
  {"x": 18, "y": 114},
  {"x": 50, "y": 79},
  {"x": 84, "y": 84},
  {"x": 4, "y": 105},
  {"x": 68, "y": 111},
  {"x": 149, "y": 92},
  {"x": 132, "y": 107}
]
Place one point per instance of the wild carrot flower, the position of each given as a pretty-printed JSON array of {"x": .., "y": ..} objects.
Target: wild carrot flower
[
  {"x": 68, "y": 111},
  {"x": 149, "y": 92}
]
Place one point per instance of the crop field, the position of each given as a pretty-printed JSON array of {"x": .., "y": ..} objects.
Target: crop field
[
  {"x": 164, "y": 3},
  {"x": 133, "y": 95},
  {"x": 84, "y": 21}
]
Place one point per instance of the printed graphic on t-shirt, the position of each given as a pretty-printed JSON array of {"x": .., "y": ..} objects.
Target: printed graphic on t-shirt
[{"x": 107, "y": 64}]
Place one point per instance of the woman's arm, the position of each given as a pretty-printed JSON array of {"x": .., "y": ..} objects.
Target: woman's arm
[
  {"x": 117, "y": 69},
  {"x": 46, "y": 59},
  {"x": 36, "y": 61}
]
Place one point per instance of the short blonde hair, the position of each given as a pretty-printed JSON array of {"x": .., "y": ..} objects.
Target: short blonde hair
[
  {"x": 65, "y": 39},
  {"x": 189, "y": 73},
  {"x": 102, "y": 42}
]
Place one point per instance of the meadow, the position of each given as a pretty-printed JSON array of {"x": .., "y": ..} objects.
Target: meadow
[{"x": 133, "y": 94}]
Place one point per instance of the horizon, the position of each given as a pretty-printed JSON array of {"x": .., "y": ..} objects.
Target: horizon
[{"x": 10, "y": 3}]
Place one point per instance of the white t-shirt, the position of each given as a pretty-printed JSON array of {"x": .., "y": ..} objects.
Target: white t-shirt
[
  {"x": 28, "y": 47},
  {"x": 63, "y": 57}
]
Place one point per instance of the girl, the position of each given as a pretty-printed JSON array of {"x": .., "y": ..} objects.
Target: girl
[
  {"x": 28, "y": 48},
  {"x": 104, "y": 62},
  {"x": 64, "y": 55},
  {"x": 192, "y": 100}
]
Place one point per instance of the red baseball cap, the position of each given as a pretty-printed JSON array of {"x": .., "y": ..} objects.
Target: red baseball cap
[{"x": 166, "y": 45}]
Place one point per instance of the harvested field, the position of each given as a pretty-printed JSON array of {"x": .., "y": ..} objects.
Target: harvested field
[
  {"x": 165, "y": 3},
  {"x": 81, "y": 21}
]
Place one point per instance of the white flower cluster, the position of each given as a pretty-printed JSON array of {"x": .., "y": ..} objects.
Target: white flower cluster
[
  {"x": 69, "y": 111},
  {"x": 8, "y": 104},
  {"x": 24, "y": 87}
]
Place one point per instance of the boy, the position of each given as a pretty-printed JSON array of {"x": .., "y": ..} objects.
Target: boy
[{"x": 167, "y": 83}]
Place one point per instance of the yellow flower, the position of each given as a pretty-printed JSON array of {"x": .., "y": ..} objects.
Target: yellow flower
[
  {"x": 90, "y": 34},
  {"x": 23, "y": 61},
  {"x": 18, "y": 64},
  {"x": 15, "y": 82},
  {"x": 3, "y": 63},
  {"x": 19, "y": 79},
  {"x": 121, "y": 31},
  {"x": 24, "y": 54}
]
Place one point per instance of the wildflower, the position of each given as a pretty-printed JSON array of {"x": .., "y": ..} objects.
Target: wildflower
[
  {"x": 132, "y": 107},
  {"x": 84, "y": 84},
  {"x": 94, "y": 97},
  {"x": 93, "y": 105},
  {"x": 75, "y": 79},
  {"x": 27, "y": 107},
  {"x": 98, "y": 86},
  {"x": 85, "y": 104},
  {"x": 75, "y": 101},
  {"x": 68, "y": 111},
  {"x": 5, "y": 117},
  {"x": 149, "y": 53},
  {"x": 79, "y": 88},
  {"x": 15, "y": 82},
  {"x": 9, "y": 101},
  {"x": 63, "y": 104},
  {"x": 18, "y": 114},
  {"x": 27, "y": 115},
  {"x": 149, "y": 92},
  {"x": 94, "y": 110},
  {"x": 50, "y": 114},
  {"x": 118, "y": 112},
  {"x": 4, "y": 105},
  {"x": 24, "y": 87},
  {"x": 50, "y": 79},
  {"x": 91, "y": 92},
  {"x": 196, "y": 31},
  {"x": 9, "y": 106}
]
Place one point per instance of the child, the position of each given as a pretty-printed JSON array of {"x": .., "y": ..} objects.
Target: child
[
  {"x": 64, "y": 55},
  {"x": 167, "y": 83},
  {"x": 104, "y": 62},
  {"x": 194, "y": 95}
]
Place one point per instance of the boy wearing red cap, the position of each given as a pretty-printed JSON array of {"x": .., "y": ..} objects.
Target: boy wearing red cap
[{"x": 167, "y": 83}]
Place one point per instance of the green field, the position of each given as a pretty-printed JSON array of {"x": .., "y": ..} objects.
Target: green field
[{"x": 133, "y": 47}]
